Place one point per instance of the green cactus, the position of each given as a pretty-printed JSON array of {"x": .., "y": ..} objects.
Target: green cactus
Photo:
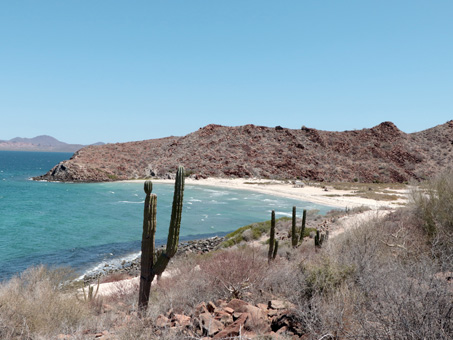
[
  {"x": 153, "y": 263},
  {"x": 317, "y": 239},
  {"x": 274, "y": 254},
  {"x": 91, "y": 293},
  {"x": 293, "y": 230},
  {"x": 302, "y": 229},
  {"x": 270, "y": 255}
]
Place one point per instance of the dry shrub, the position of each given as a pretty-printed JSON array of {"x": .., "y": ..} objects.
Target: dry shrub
[
  {"x": 432, "y": 205},
  {"x": 183, "y": 290},
  {"x": 234, "y": 272},
  {"x": 392, "y": 292},
  {"x": 34, "y": 303}
]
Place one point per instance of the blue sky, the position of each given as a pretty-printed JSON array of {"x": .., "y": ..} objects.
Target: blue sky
[{"x": 116, "y": 71}]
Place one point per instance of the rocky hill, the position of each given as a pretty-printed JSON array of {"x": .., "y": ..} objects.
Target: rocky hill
[
  {"x": 383, "y": 153},
  {"x": 39, "y": 143}
]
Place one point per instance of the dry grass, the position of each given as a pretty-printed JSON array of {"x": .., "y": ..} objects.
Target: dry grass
[{"x": 34, "y": 303}]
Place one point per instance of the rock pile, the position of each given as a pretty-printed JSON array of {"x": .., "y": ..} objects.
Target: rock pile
[{"x": 225, "y": 320}]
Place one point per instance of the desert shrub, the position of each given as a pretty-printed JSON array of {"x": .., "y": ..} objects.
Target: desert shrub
[
  {"x": 234, "y": 272},
  {"x": 432, "y": 205},
  {"x": 34, "y": 303},
  {"x": 184, "y": 289},
  {"x": 326, "y": 276},
  {"x": 252, "y": 232},
  {"x": 393, "y": 291}
]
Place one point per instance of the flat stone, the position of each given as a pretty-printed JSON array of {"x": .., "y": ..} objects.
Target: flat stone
[
  {"x": 224, "y": 317},
  {"x": 210, "y": 325},
  {"x": 162, "y": 321},
  {"x": 278, "y": 304},
  {"x": 182, "y": 320},
  {"x": 234, "y": 329},
  {"x": 228, "y": 310},
  {"x": 237, "y": 305}
]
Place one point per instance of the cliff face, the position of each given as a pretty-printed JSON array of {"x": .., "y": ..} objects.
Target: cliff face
[{"x": 382, "y": 153}]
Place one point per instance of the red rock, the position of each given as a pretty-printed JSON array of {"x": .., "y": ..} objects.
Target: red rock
[
  {"x": 257, "y": 320},
  {"x": 182, "y": 320},
  {"x": 200, "y": 309},
  {"x": 210, "y": 325},
  {"x": 162, "y": 321},
  {"x": 278, "y": 304},
  {"x": 228, "y": 310},
  {"x": 234, "y": 329},
  {"x": 262, "y": 306},
  {"x": 224, "y": 317},
  {"x": 211, "y": 307},
  {"x": 237, "y": 305}
]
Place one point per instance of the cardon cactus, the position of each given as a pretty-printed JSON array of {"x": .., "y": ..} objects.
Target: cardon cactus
[
  {"x": 294, "y": 239},
  {"x": 153, "y": 264},
  {"x": 302, "y": 229},
  {"x": 272, "y": 243}
]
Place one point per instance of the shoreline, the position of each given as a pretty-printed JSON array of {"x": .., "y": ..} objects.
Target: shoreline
[
  {"x": 309, "y": 193},
  {"x": 315, "y": 194},
  {"x": 131, "y": 267}
]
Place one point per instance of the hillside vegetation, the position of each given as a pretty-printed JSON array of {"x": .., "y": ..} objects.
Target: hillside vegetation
[
  {"x": 380, "y": 154},
  {"x": 388, "y": 278}
]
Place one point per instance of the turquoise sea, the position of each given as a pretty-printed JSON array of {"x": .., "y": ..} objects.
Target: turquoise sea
[{"x": 87, "y": 225}]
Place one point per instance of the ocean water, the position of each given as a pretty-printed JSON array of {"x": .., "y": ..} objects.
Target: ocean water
[{"x": 85, "y": 225}]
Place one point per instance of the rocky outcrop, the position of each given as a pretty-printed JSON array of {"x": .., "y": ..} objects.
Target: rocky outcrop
[
  {"x": 228, "y": 320},
  {"x": 380, "y": 154}
]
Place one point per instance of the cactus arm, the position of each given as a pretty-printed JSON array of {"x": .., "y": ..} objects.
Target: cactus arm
[
  {"x": 271, "y": 237},
  {"x": 275, "y": 250},
  {"x": 293, "y": 229},
  {"x": 317, "y": 239},
  {"x": 302, "y": 229},
  {"x": 176, "y": 212},
  {"x": 147, "y": 258}
]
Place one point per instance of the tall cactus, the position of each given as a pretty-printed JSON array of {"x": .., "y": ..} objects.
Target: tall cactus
[
  {"x": 293, "y": 230},
  {"x": 272, "y": 246},
  {"x": 153, "y": 264},
  {"x": 302, "y": 229},
  {"x": 274, "y": 254}
]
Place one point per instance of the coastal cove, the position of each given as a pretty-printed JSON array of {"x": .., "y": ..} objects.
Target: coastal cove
[{"x": 88, "y": 225}]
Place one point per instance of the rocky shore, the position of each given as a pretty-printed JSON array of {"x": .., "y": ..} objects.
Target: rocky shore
[{"x": 132, "y": 268}]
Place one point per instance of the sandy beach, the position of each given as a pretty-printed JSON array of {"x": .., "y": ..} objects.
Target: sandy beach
[{"x": 311, "y": 193}]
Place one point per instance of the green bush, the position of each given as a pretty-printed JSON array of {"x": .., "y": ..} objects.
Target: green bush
[
  {"x": 433, "y": 206},
  {"x": 257, "y": 230}
]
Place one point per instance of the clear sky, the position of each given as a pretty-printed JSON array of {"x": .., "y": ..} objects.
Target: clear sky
[{"x": 116, "y": 71}]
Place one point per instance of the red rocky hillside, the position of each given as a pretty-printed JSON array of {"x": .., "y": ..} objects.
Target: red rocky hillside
[{"x": 382, "y": 153}]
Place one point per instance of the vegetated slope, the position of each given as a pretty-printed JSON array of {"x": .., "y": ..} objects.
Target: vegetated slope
[
  {"x": 39, "y": 143},
  {"x": 382, "y": 153}
]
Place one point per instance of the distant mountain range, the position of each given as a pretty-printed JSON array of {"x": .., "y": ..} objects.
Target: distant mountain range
[{"x": 40, "y": 143}]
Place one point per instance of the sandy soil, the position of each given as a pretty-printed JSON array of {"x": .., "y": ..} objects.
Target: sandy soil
[{"x": 314, "y": 194}]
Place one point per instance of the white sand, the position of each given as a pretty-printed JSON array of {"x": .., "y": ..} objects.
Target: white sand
[{"x": 314, "y": 194}]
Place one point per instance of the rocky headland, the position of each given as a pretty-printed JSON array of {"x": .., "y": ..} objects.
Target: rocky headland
[{"x": 379, "y": 154}]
